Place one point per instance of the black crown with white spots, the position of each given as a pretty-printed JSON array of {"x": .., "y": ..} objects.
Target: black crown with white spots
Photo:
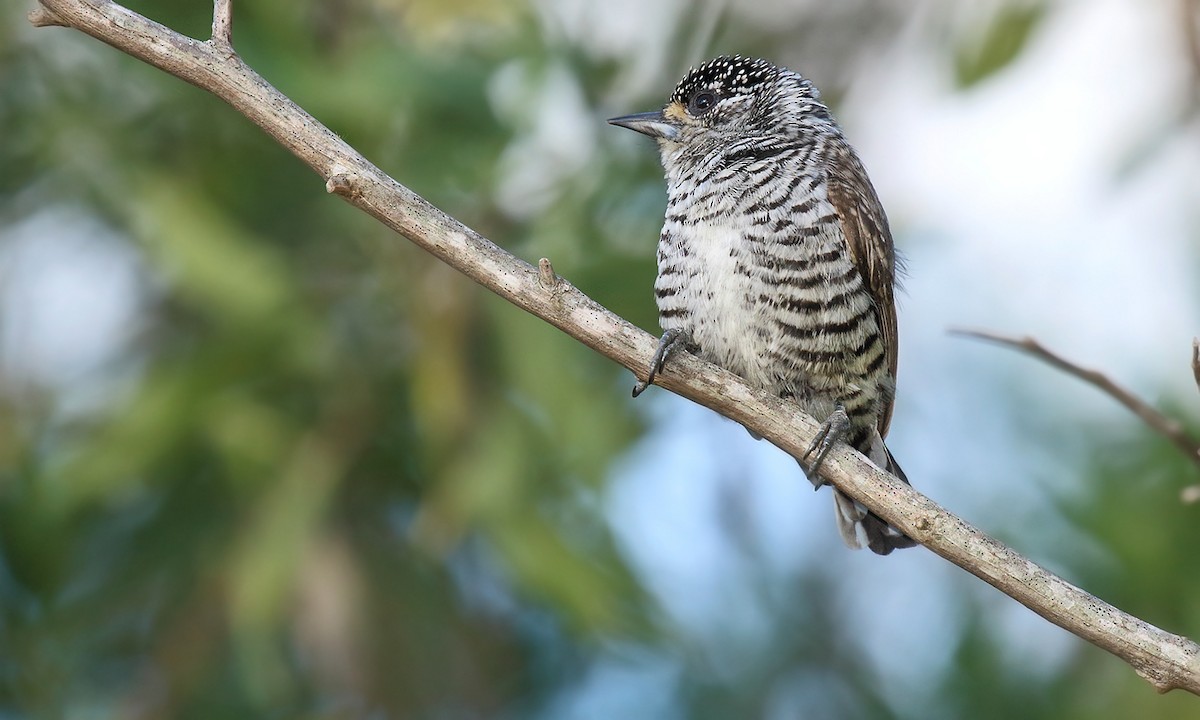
[{"x": 727, "y": 75}]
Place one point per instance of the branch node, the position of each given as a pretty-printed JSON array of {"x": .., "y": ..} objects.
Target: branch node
[
  {"x": 41, "y": 17},
  {"x": 547, "y": 278},
  {"x": 341, "y": 183},
  {"x": 222, "y": 24},
  {"x": 1155, "y": 677}
]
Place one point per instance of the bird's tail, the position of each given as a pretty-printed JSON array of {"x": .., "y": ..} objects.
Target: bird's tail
[{"x": 862, "y": 528}]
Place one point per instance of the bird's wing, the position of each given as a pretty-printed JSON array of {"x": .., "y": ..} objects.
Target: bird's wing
[{"x": 865, "y": 227}]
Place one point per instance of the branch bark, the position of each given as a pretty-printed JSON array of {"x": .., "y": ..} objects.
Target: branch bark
[{"x": 1167, "y": 661}]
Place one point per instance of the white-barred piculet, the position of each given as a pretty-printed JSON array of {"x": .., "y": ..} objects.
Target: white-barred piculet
[{"x": 776, "y": 261}]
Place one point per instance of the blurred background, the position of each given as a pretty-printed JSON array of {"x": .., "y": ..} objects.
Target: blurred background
[{"x": 261, "y": 458}]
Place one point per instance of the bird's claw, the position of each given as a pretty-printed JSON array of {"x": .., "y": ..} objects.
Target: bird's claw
[
  {"x": 671, "y": 341},
  {"x": 831, "y": 432}
]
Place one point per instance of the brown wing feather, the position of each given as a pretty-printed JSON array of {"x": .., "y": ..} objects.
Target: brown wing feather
[{"x": 865, "y": 227}]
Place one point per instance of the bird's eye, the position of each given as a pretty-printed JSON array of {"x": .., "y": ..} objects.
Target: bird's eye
[{"x": 701, "y": 102}]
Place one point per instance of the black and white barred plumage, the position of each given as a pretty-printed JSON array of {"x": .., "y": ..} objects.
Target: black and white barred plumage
[{"x": 775, "y": 260}]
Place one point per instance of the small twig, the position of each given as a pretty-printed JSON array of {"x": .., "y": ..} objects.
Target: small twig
[
  {"x": 340, "y": 183},
  {"x": 546, "y": 275},
  {"x": 1196, "y": 361},
  {"x": 41, "y": 17},
  {"x": 1191, "y": 493},
  {"x": 1165, "y": 426},
  {"x": 222, "y": 25}
]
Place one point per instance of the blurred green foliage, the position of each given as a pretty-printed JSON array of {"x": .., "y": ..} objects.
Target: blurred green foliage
[
  {"x": 330, "y": 478},
  {"x": 1002, "y": 41},
  {"x": 325, "y": 422}
]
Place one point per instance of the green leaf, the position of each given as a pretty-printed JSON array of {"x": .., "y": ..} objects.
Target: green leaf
[{"x": 1002, "y": 42}]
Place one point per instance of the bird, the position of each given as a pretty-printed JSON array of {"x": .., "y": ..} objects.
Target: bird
[{"x": 776, "y": 261}]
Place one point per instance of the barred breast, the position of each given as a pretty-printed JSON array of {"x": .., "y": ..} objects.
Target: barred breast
[{"x": 752, "y": 262}]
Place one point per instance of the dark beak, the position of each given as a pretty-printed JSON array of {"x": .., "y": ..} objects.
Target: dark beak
[{"x": 653, "y": 124}]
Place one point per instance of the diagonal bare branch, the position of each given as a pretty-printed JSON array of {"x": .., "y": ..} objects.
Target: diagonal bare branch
[
  {"x": 1167, "y": 661},
  {"x": 1169, "y": 428}
]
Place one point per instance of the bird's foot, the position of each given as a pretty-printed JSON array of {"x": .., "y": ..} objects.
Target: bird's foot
[
  {"x": 671, "y": 341},
  {"x": 832, "y": 431}
]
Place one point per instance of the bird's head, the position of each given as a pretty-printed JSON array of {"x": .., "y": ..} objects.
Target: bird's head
[{"x": 732, "y": 102}]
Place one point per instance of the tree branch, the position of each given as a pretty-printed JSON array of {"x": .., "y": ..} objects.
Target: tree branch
[
  {"x": 1167, "y": 427},
  {"x": 1167, "y": 661}
]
